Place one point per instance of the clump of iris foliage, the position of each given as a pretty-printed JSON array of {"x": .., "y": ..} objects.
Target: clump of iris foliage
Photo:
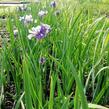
[{"x": 57, "y": 57}]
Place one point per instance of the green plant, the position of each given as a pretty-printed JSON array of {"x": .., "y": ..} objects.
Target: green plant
[{"x": 76, "y": 53}]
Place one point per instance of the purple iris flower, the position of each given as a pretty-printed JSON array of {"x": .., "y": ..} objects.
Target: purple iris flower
[
  {"x": 42, "y": 13},
  {"x": 15, "y": 32},
  {"x": 26, "y": 19},
  {"x": 42, "y": 60},
  {"x": 53, "y": 4},
  {"x": 40, "y": 31}
]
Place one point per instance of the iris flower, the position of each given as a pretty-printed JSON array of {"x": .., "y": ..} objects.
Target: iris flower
[
  {"x": 42, "y": 13},
  {"x": 39, "y": 32},
  {"x": 26, "y": 19},
  {"x": 53, "y": 4},
  {"x": 15, "y": 32},
  {"x": 42, "y": 60}
]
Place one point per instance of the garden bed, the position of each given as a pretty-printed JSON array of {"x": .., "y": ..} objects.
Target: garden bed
[{"x": 55, "y": 58}]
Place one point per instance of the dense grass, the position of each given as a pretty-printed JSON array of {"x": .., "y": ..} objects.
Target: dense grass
[{"x": 75, "y": 74}]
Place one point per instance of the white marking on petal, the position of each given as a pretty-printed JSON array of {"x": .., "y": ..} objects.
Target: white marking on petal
[{"x": 30, "y": 36}]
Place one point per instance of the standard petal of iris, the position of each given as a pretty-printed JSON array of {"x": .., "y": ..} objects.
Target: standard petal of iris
[{"x": 30, "y": 36}]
